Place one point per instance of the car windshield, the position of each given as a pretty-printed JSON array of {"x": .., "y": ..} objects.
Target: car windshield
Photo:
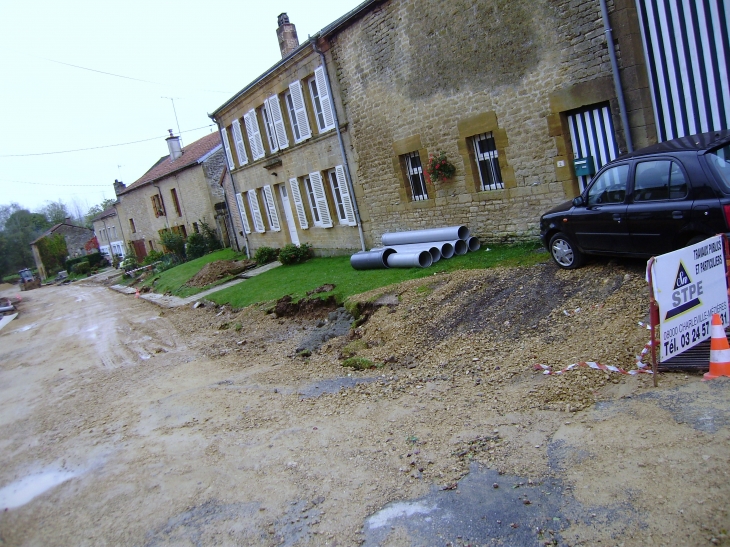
[{"x": 719, "y": 161}]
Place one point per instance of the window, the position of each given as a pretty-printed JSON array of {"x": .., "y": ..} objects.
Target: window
[
  {"x": 297, "y": 112},
  {"x": 180, "y": 230},
  {"x": 414, "y": 171},
  {"x": 196, "y": 229},
  {"x": 176, "y": 202},
  {"x": 719, "y": 161},
  {"x": 152, "y": 247},
  {"x": 273, "y": 108},
  {"x": 242, "y": 211},
  {"x": 114, "y": 231},
  {"x": 227, "y": 147},
  {"x": 321, "y": 100},
  {"x": 253, "y": 202},
  {"x": 238, "y": 142},
  {"x": 254, "y": 135},
  {"x": 131, "y": 226},
  {"x": 318, "y": 200},
  {"x": 271, "y": 214},
  {"x": 341, "y": 195},
  {"x": 298, "y": 203},
  {"x": 610, "y": 187},
  {"x": 485, "y": 152},
  {"x": 157, "y": 206},
  {"x": 657, "y": 180},
  {"x": 269, "y": 127}
]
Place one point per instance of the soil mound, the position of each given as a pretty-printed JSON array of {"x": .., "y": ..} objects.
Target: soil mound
[{"x": 215, "y": 271}]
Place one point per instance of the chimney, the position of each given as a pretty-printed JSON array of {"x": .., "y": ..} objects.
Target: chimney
[
  {"x": 287, "y": 35},
  {"x": 118, "y": 186},
  {"x": 173, "y": 145}
]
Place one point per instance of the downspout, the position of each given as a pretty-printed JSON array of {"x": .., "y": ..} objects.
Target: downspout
[
  {"x": 233, "y": 185},
  {"x": 342, "y": 144},
  {"x": 616, "y": 77},
  {"x": 231, "y": 226}
]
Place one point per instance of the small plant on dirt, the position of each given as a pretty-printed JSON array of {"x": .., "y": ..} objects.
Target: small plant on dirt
[
  {"x": 292, "y": 254},
  {"x": 358, "y": 363},
  {"x": 237, "y": 326},
  {"x": 304, "y": 353},
  {"x": 351, "y": 349},
  {"x": 264, "y": 255},
  {"x": 424, "y": 290}
]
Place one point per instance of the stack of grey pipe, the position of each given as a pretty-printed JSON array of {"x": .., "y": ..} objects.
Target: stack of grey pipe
[{"x": 416, "y": 248}]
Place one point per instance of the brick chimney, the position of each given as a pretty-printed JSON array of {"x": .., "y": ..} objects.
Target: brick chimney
[
  {"x": 118, "y": 186},
  {"x": 173, "y": 145},
  {"x": 287, "y": 35}
]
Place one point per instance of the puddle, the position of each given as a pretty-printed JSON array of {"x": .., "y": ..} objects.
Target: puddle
[
  {"x": 24, "y": 490},
  {"x": 398, "y": 510},
  {"x": 27, "y": 327},
  {"x": 332, "y": 385}
]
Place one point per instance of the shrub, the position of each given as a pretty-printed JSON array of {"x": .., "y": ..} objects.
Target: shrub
[
  {"x": 358, "y": 363},
  {"x": 196, "y": 246},
  {"x": 129, "y": 263},
  {"x": 210, "y": 236},
  {"x": 152, "y": 256},
  {"x": 174, "y": 243},
  {"x": 81, "y": 268},
  {"x": 291, "y": 254},
  {"x": 264, "y": 255}
]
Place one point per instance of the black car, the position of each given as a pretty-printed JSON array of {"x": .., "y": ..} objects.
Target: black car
[{"x": 652, "y": 201}]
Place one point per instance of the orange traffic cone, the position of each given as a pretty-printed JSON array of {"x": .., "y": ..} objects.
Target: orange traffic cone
[{"x": 719, "y": 351}]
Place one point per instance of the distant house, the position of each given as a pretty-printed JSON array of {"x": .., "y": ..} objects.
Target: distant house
[
  {"x": 176, "y": 194},
  {"x": 108, "y": 232},
  {"x": 76, "y": 238}
]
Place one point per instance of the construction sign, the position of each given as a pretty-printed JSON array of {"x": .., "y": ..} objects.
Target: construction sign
[{"x": 689, "y": 286}]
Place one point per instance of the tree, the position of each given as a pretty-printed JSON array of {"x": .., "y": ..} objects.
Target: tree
[
  {"x": 21, "y": 227},
  {"x": 97, "y": 210},
  {"x": 6, "y": 211},
  {"x": 55, "y": 211}
]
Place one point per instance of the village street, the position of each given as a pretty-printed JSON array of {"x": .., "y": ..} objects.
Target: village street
[{"x": 123, "y": 423}]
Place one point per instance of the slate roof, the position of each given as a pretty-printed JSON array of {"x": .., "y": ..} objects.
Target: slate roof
[
  {"x": 56, "y": 227},
  {"x": 106, "y": 213},
  {"x": 192, "y": 153}
]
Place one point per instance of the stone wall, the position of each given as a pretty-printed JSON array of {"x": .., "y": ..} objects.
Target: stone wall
[{"x": 426, "y": 75}]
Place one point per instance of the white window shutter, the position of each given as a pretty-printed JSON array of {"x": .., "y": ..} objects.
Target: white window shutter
[
  {"x": 300, "y": 109},
  {"x": 321, "y": 197},
  {"x": 244, "y": 216},
  {"x": 345, "y": 193},
  {"x": 253, "y": 202},
  {"x": 274, "y": 107},
  {"x": 254, "y": 135},
  {"x": 227, "y": 147},
  {"x": 324, "y": 98},
  {"x": 238, "y": 142},
  {"x": 273, "y": 215},
  {"x": 298, "y": 203}
]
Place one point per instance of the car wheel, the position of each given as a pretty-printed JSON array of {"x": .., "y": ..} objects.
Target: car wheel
[{"x": 564, "y": 252}]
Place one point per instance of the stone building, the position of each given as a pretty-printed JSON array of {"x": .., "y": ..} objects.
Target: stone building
[
  {"x": 527, "y": 99},
  {"x": 76, "y": 238},
  {"x": 108, "y": 230},
  {"x": 289, "y": 172},
  {"x": 177, "y": 193}
]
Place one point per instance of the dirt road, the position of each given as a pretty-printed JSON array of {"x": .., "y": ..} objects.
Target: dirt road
[{"x": 123, "y": 424}]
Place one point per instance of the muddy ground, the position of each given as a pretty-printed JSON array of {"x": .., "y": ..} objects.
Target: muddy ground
[{"x": 122, "y": 424}]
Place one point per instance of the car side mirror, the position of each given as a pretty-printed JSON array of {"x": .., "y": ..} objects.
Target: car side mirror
[{"x": 579, "y": 201}]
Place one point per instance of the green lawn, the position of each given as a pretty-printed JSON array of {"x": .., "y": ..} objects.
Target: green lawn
[
  {"x": 298, "y": 279},
  {"x": 173, "y": 280}
]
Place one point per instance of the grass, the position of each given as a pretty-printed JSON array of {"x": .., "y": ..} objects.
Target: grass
[
  {"x": 173, "y": 280},
  {"x": 296, "y": 280}
]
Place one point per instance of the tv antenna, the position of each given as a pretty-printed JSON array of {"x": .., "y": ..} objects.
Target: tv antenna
[{"x": 172, "y": 100}]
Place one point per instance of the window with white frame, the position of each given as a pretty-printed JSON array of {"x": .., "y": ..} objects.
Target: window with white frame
[
  {"x": 242, "y": 211},
  {"x": 253, "y": 202},
  {"x": 321, "y": 100},
  {"x": 341, "y": 196},
  {"x": 269, "y": 128},
  {"x": 227, "y": 147},
  {"x": 273, "y": 107},
  {"x": 485, "y": 152},
  {"x": 271, "y": 214},
  {"x": 298, "y": 203},
  {"x": 254, "y": 135},
  {"x": 238, "y": 143},
  {"x": 414, "y": 172},
  {"x": 318, "y": 200},
  {"x": 297, "y": 112}
]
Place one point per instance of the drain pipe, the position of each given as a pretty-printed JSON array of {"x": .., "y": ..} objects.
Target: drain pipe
[
  {"x": 616, "y": 77},
  {"x": 342, "y": 144}
]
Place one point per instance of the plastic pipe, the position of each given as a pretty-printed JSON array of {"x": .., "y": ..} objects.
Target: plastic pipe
[
  {"x": 449, "y": 233},
  {"x": 411, "y": 259},
  {"x": 435, "y": 250},
  {"x": 371, "y": 260},
  {"x": 473, "y": 243},
  {"x": 458, "y": 247}
]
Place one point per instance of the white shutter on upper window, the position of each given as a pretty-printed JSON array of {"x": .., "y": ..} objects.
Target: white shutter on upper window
[
  {"x": 298, "y": 203},
  {"x": 300, "y": 111},
  {"x": 324, "y": 98},
  {"x": 254, "y": 135},
  {"x": 238, "y": 142},
  {"x": 227, "y": 147},
  {"x": 271, "y": 208},
  {"x": 345, "y": 193},
  {"x": 277, "y": 119},
  {"x": 258, "y": 221},
  {"x": 321, "y": 198},
  {"x": 244, "y": 216}
]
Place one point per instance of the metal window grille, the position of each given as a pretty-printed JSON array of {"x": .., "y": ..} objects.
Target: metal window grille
[
  {"x": 415, "y": 176},
  {"x": 485, "y": 151}
]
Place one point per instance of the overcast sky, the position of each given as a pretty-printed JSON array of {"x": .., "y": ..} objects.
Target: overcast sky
[{"x": 199, "y": 53}]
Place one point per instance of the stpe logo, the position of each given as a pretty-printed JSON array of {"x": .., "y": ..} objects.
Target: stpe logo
[{"x": 685, "y": 295}]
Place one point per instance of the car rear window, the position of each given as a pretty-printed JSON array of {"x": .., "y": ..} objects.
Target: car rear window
[{"x": 719, "y": 161}]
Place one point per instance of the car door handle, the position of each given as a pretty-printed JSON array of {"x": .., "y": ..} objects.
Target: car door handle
[
  {"x": 677, "y": 214},
  {"x": 617, "y": 217}
]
